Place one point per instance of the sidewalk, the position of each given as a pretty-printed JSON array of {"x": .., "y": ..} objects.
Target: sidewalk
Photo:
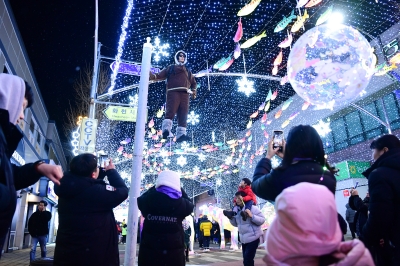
[{"x": 21, "y": 257}]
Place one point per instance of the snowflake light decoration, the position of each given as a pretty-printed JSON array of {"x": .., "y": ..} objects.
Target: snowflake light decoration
[
  {"x": 193, "y": 118},
  {"x": 181, "y": 161},
  {"x": 125, "y": 175},
  {"x": 274, "y": 162},
  {"x": 322, "y": 128},
  {"x": 245, "y": 86},
  {"x": 185, "y": 145},
  {"x": 163, "y": 153},
  {"x": 167, "y": 161},
  {"x": 133, "y": 100},
  {"x": 228, "y": 160},
  {"x": 219, "y": 182},
  {"x": 196, "y": 170},
  {"x": 159, "y": 49},
  {"x": 202, "y": 157}
]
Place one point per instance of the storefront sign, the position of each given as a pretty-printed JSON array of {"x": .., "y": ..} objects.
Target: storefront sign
[
  {"x": 346, "y": 193},
  {"x": 87, "y": 138},
  {"x": 351, "y": 169}
]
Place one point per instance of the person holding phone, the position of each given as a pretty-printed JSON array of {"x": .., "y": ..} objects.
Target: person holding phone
[{"x": 303, "y": 160}]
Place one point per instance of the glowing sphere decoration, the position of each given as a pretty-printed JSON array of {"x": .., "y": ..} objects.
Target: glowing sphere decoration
[{"x": 329, "y": 66}]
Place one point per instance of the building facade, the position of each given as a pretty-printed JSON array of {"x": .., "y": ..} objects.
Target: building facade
[{"x": 40, "y": 141}]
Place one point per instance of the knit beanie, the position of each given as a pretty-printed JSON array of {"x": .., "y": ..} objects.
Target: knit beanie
[
  {"x": 306, "y": 223},
  {"x": 170, "y": 179},
  {"x": 12, "y": 94}
]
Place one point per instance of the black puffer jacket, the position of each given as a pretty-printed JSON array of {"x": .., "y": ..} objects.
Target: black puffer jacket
[
  {"x": 12, "y": 177},
  {"x": 384, "y": 205},
  {"x": 268, "y": 184},
  {"x": 38, "y": 224},
  {"x": 87, "y": 233},
  {"x": 361, "y": 216},
  {"x": 162, "y": 242}
]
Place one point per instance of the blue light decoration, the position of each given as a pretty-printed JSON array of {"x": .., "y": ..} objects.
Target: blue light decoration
[
  {"x": 159, "y": 49},
  {"x": 193, "y": 118},
  {"x": 121, "y": 42},
  {"x": 205, "y": 30}
]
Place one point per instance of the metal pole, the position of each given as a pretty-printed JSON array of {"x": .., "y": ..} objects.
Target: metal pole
[
  {"x": 95, "y": 64},
  {"x": 133, "y": 213},
  {"x": 371, "y": 115}
]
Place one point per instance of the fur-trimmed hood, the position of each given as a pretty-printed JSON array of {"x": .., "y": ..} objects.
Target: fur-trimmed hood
[{"x": 176, "y": 57}]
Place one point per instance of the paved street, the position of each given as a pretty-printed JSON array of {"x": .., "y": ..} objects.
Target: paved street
[{"x": 214, "y": 257}]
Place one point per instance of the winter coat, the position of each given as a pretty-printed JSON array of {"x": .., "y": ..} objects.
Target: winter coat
[
  {"x": 179, "y": 78},
  {"x": 124, "y": 230},
  {"x": 384, "y": 205},
  {"x": 361, "y": 216},
  {"x": 206, "y": 227},
  {"x": 249, "y": 230},
  {"x": 249, "y": 194},
  {"x": 38, "y": 224},
  {"x": 87, "y": 232},
  {"x": 162, "y": 241},
  {"x": 268, "y": 184},
  {"x": 188, "y": 233},
  {"x": 12, "y": 177},
  {"x": 350, "y": 213}
]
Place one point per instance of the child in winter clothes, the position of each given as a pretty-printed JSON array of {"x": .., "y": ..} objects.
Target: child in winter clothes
[
  {"x": 248, "y": 199},
  {"x": 306, "y": 231}
]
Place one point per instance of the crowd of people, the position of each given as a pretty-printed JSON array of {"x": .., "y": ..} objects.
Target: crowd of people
[{"x": 307, "y": 230}]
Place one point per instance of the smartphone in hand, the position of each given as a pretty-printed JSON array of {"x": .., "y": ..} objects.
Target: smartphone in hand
[{"x": 277, "y": 139}]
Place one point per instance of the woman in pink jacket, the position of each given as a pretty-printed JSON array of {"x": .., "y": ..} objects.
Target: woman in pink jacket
[{"x": 306, "y": 231}]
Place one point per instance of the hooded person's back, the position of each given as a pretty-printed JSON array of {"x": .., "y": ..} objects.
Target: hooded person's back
[{"x": 306, "y": 231}]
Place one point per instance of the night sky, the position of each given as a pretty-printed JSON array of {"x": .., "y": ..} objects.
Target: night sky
[{"x": 58, "y": 37}]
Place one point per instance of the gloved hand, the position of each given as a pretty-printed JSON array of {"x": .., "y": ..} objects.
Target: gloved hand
[{"x": 194, "y": 94}]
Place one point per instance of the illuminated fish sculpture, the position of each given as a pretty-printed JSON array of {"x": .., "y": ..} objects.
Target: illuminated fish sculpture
[
  {"x": 275, "y": 70},
  {"x": 286, "y": 42},
  {"x": 237, "y": 51},
  {"x": 261, "y": 107},
  {"x": 287, "y": 103},
  {"x": 274, "y": 95},
  {"x": 284, "y": 80},
  {"x": 239, "y": 32},
  {"x": 151, "y": 124},
  {"x": 267, "y": 106},
  {"x": 395, "y": 59},
  {"x": 202, "y": 73},
  {"x": 305, "y": 106},
  {"x": 278, "y": 59},
  {"x": 278, "y": 114},
  {"x": 227, "y": 65},
  {"x": 269, "y": 95},
  {"x": 249, "y": 8},
  {"x": 250, "y": 42},
  {"x": 284, "y": 22},
  {"x": 313, "y": 3},
  {"x": 221, "y": 62},
  {"x": 325, "y": 16},
  {"x": 301, "y": 3},
  {"x": 254, "y": 115},
  {"x": 264, "y": 118},
  {"x": 300, "y": 22}
]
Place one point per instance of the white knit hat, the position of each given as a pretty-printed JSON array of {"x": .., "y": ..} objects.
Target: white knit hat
[{"x": 170, "y": 179}]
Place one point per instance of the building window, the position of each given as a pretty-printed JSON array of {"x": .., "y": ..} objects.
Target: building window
[
  {"x": 32, "y": 126},
  {"x": 39, "y": 138}
]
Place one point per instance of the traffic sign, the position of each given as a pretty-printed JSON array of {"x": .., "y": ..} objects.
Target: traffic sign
[{"x": 121, "y": 113}]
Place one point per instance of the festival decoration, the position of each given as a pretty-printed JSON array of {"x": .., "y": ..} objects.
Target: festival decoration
[
  {"x": 300, "y": 22},
  {"x": 245, "y": 86},
  {"x": 284, "y": 22},
  {"x": 313, "y": 3},
  {"x": 325, "y": 16},
  {"x": 239, "y": 32},
  {"x": 342, "y": 55},
  {"x": 250, "y": 42},
  {"x": 249, "y": 8},
  {"x": 286, "y": 42}
]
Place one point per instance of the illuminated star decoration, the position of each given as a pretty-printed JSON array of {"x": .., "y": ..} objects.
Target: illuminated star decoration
[
  {"x": 159, "y": 49},
  {"x": 181, "y": 161},
  {"x": 133, "y": 100},
  {"x": 202, "y": 157},
  {"x": 245, "y": 86},
  {"x": 274, "y": 162},
  {"x": 322, "y": 128},
  {"x": 193, "y": 118}
]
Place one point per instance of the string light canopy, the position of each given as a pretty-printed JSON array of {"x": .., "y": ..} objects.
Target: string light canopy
[{"x": 205, "y": 29}]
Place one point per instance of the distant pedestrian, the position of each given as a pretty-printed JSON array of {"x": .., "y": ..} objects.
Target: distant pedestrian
[
  {"x": 350, "y": 213},
  {"x": 38, "y": 227},
  {"x": 187, "y": 233},
  {"x": 124, "y": 232},
  {"x": 205, "y": 228}
]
